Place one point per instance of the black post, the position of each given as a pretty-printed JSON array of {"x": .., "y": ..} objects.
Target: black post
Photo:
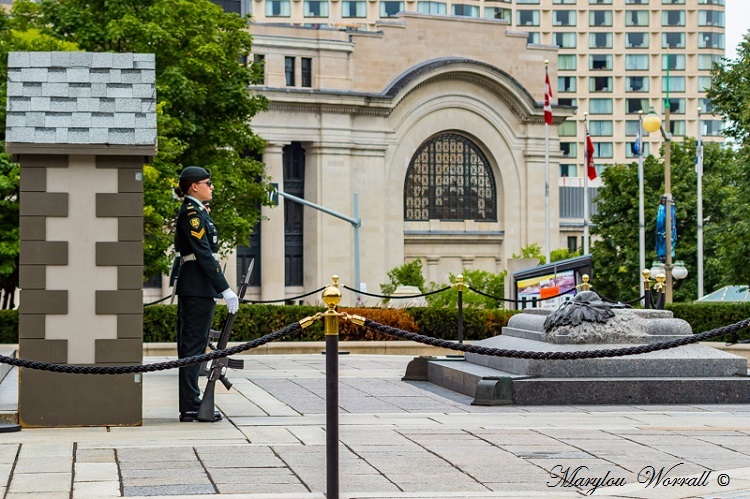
[
  {"x": 332, "y": 413},
  {"x": 533, "y": 302},
  {"x": 460, "y": 310}
]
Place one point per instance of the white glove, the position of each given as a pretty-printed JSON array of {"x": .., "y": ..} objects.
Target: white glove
[{"x": 233, "y": 303}]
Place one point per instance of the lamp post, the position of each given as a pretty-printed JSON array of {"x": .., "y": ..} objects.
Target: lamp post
[
  {"x": 652, "y": 123},
  {"x": 641, "y": 217}
]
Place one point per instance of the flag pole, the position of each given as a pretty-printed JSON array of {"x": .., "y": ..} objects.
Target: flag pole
[
  {"x": 699, "y": 175},
  {"x": 547, "y": 109},
  {"x": 585, "y": 185},
  {"x": 641, "y": 216}
]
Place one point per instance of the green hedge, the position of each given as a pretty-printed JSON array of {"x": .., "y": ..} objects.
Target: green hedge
[
  {"x": 255, "y": 321},
  {"x": 707, "y": 316}
]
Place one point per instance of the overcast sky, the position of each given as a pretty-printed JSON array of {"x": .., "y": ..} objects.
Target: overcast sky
[{"x": 738, "y": 22}]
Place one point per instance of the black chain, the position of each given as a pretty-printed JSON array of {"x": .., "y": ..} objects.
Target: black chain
[
  {"x": 158, "y": 366},
  {"x": 291, "y": 298},
  {"x": 398, "y": 297},
  {"x": 587, "y": 354},
  {"x": 157, "y": 301},
  {"x": 519, "y": 301}
]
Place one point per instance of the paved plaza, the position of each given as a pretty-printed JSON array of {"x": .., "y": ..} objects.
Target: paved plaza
[{"x": 398, "y": 440}]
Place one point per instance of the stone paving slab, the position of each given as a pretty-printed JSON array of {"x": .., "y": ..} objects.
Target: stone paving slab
[{"x": 398, "y": 440}]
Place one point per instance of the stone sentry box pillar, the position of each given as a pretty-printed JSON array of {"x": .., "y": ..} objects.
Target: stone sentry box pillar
[{"x": 81, "y": 125}]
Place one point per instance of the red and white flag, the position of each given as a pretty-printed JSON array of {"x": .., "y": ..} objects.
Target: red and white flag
[
  {"x": 590, "y": 168},
  {"x": 547, "y": 99}
]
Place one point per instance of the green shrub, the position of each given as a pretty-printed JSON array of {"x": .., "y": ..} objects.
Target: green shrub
[
  {"x": 9, "y": 326},
  {"x": 707, "y": 316}
]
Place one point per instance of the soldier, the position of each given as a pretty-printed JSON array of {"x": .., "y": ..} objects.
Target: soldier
[{"x": 200, "y": 282}]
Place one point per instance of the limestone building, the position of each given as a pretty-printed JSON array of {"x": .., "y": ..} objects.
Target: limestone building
[{"x": 440, "y": 136}]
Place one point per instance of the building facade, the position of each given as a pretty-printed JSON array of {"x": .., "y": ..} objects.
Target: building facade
[{"x": 443, "y": 145}]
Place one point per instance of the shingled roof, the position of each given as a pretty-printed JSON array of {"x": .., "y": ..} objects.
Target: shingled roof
[{"x": 77, "y": 98}]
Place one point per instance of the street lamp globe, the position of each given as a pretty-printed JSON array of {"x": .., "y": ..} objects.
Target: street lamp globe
[
  {"x": 652, "y": 121},
  {"x": 679, "y": 271},
  {"x": 657, "y": 268}
]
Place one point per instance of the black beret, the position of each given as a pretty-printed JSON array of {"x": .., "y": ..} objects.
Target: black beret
[{"x": 194, "y": 173}]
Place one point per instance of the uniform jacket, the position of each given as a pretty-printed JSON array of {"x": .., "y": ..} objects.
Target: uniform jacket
[{"x": 196, "y": 234}]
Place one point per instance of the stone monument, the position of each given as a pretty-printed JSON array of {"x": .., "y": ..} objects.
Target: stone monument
[
  {"x": 81, "y": 125},
  {"x": 690, "y": 374}
]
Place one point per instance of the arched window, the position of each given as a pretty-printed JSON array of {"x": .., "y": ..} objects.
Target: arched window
[{"x": 449, "y": 178}]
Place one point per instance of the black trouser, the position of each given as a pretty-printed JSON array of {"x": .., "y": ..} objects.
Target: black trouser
[{"x": 194, "y": 317}]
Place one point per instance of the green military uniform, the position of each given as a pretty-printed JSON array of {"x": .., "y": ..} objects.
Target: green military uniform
[{"x": 200, "y": 281}]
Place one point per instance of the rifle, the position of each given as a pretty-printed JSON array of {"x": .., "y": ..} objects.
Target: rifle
[{"x": 219, "y": 366}]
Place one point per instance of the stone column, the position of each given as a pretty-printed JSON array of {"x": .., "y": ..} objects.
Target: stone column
[
  {"x": 272, "y": 230},
  {"x": 81, "y": 136}
]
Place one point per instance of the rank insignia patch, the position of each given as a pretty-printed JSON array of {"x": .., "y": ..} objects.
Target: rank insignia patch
[{"x": 195, "y": 222}]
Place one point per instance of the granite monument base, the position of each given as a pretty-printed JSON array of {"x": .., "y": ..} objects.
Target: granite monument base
[{"x": 690, "y": 374}]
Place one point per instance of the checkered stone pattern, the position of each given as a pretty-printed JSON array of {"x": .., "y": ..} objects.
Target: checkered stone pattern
[{"x": 81, "y": 98}]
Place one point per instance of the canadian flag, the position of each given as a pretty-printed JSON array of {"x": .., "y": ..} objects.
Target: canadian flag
[
  {"x": 591, "y": 169},
  {"x": 547, "y": 99}
]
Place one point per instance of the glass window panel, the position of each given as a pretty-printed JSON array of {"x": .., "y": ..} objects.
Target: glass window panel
[
  {"x": 600, "y": 2},
  {"x": 603, "y": 150},
  {"x": 630, "y": 149},
  {"x": 711, "y": 127},
  {"x": 278, "y": 8},
  {"x": 676, "y": 84},
  {"x": 495, "y": 13},
  {"x": 631, "y": 128},
  {"x": 564, "y": 2},
  {"x": 353, "y": 9},
  {"x": 706, "y": 61},
  {"x": 566, "y": 62},
  {"x": 600, "y": 83},
  {"x": 600, "y": 40},
  {"x": 564, "y": 17},
  {"x": 710, "y": 2},
  {"x": 677, "y": 106},
  {"x": 711, "y": 18},
  {"x": 676, "y": 62},
  {"x": 289, "y": 71},
  {"x": 316, "y": 8},
  {"x": 569, "y": 149},
  {"x": 634, "y": 106},
  {"x": 637, "y": 62},
  {"x": 704, "y": 83},
  {"x": 442, "y": 8},
  {"x": 673, "y": 2},
  {"x": 673, "y": 40},
  {"x": 636, "y": 2},
  {"x": 705, "y": 104},
  {"x": 601, "y": 62},
  {"x": 564, "y": 40},
  {"x": 636, "y": 83},
  {"x": 600, "y": 18},
  {"x": 673, "y": 18},
  {"x": 533, "y": 38},
  {"x": 677, "y": 127},
  {"x": 390, "y": 9},
  {"x": 527, "y": 1},
  {"x": 566, "y": 83},
  {"x": 567, "y": 129},
  {"x": 711, "y": 40},
  {"x": 567, "y": 170},
  {"x": 636, "y": 18},
  {"x": 566, "y": 101},
  {"x": 527, "y": 17},
  {"x": 600, "y": 128},
  {"x": 600, "y": 106},
  {"x": 466, "y": 10},
  {"x": 449, "y": 178},
  {"x": 636, "y": 40}
]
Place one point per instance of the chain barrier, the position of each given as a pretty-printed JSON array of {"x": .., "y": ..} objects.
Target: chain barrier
[
  {"x": 161, "y": 366},
  {"x": 557, "y": 355},
  {"x": 157, "y": 301},
  {"x": 397, "y": 297},
  {"x": 291, "y": 298}
]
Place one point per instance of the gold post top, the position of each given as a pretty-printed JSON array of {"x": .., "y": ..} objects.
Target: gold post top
[
  {"x": 585, "y": 285},
  {"x": 460, "y": 281},
  {"x": 332, "y": 294},
  {"x": 646, "y": 273}
]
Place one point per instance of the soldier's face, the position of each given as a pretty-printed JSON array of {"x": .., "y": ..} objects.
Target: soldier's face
[{"x": 203, "y": 190}]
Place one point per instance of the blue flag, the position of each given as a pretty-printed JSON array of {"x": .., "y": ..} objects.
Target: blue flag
[{"x": 637, "y": 146}]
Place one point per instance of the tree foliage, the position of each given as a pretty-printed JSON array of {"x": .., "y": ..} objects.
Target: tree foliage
[
  {"x": 203, "y": 102},
  {"x": 408, "y": 274},
  {"x": 481, "y": 280},
  {"x": 616, "y": 251}
]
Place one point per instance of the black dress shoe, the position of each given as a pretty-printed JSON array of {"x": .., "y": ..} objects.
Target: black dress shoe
[{"x": 190, "y": 416}]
